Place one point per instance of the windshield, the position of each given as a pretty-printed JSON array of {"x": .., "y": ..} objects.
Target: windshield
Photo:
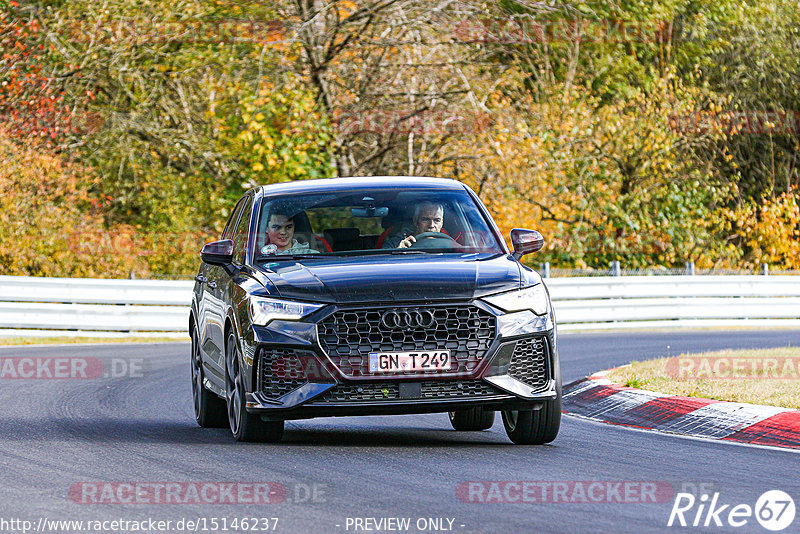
[{"x": 373, "y": 222}]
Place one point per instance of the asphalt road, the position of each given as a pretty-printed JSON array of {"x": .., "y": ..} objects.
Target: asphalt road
[{"x": 61, "y": 437}]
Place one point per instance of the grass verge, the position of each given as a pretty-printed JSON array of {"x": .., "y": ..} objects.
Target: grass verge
[{"x": 763, "y": 376}]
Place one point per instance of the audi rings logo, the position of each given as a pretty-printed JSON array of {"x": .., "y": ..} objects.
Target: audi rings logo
[{"x": 408, "y": 319}]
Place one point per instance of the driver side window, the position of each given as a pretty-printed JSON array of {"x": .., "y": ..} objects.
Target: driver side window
[
  {"x": 242, "y": 232},
  {"x": 228, "y": 231}
]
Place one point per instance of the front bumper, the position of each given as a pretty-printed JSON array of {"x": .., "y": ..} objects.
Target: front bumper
[{"x": 518, "y": 370}]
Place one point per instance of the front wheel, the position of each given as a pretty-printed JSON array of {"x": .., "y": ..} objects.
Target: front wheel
[
  {"x": 244, "y": 426},
  {"x": 209, "y": 410},
  {"x": 533, "y": 427},
  {"x": 472, "y": 419}
]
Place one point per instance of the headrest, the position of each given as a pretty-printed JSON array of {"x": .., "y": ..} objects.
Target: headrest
[
  {"x": 341, "y": 235},
  {"x": 301, "y": 222},
  {"x": 396, "y": 215}
]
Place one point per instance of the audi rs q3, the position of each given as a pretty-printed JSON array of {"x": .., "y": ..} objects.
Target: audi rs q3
[{"x": 371, "y": 296}]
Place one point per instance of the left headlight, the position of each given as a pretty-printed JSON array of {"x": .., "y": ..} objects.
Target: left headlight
[
  {"x": 532, "y": 298},
  {"x": 263, "y": 310}
]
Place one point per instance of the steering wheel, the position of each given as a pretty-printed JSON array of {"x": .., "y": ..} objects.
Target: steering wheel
[{"x": 434, "y": 240}]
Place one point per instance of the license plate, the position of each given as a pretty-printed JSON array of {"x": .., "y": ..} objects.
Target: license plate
[{"x": 393, "y": 362}]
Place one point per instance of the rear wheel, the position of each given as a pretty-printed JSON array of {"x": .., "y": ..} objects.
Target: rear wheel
[
  {"x": 209, "y": 410},
  {"x": 472, "y": 419},
  {"x": 244, "y": 426},
  {"x": 534, "y": 427}
]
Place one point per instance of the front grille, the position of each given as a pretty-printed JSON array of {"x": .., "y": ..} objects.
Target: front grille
[
  {"x": 348, "y": 336},
  {"x": 430, "y": 389},
  {"x": 281, "y": 371},
  {"x": 529, "y": 362}
]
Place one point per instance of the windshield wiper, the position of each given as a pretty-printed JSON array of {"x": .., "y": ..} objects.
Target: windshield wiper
[
  {"x": 291, "y": 257},
  {"x": 407, "y": 251}
]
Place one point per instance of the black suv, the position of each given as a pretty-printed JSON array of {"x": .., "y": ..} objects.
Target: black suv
[{"x": 366, "y": 296}]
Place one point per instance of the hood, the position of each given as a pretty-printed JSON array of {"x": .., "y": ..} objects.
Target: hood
[{"x": 393, "y": 278}]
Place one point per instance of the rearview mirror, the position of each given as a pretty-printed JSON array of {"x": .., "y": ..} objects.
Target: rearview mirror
[
  {"x": 370, "y": 212},
  {"x": 526, "y": 241},
  {"x": 218, "y": 252}
]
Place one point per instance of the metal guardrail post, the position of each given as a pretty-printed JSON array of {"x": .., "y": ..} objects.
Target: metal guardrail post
[
  {"x": 690, "y": 268},
  {"x": 546, "y": 269},
  {"x": 765, "y": 269},
  {"x": 615, "y": 269}
]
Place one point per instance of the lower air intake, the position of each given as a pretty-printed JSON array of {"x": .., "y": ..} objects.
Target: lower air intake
[
  {"x": 281, "y": 372},
  {"x": 529, "y": 362}
]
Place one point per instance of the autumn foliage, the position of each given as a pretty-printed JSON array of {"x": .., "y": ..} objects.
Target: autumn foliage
[
  {"x": 128, "y": 132},
  {"x": 770, "y": 230},
  {"x": 31, "y": 106}
]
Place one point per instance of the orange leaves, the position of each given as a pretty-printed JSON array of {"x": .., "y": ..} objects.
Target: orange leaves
[
  {"x": 771, "y": 230},
  {"x": 43, "y": 208},
  {"x": 31, "y": 107},
  {"x": 602, "y": 181},
  {"x": 346, "y": 8}
]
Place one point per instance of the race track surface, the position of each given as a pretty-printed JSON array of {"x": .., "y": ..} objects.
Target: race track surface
[{"x": 63, "y": 438}]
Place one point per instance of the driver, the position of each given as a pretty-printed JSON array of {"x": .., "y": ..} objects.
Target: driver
[{"x": 428, "y": 217}]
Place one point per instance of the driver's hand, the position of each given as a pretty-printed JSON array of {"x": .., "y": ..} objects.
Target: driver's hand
[{"x": 407, "y": 242}]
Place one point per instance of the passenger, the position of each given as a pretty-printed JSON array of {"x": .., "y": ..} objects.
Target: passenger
[
  {"x": 428, "y": 217},
  {"x": 280, "y": 232}
]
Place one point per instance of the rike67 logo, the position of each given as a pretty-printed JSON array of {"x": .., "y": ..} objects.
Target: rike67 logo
[{"x": 774, "y": 510}]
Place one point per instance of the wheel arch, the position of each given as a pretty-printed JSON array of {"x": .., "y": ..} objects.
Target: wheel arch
[{"x": 232, "y": 327}]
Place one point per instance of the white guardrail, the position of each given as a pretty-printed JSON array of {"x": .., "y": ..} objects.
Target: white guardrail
[{"x": 31, "y": 306}]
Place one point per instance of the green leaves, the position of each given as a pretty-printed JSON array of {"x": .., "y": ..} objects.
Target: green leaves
[{"x": 278, "y": 135}]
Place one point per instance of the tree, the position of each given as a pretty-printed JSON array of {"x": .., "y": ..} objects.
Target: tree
[{"x": 393, "y": 77}]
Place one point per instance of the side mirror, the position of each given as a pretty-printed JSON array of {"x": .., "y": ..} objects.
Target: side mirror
[
  {"x": 526, "y": 241},
  {"x": 218, "y": 252}
]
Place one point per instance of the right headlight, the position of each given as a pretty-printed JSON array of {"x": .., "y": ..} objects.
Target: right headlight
[
  {"x": 263, "y": 310},
  {"x": 532, "y": 298}
]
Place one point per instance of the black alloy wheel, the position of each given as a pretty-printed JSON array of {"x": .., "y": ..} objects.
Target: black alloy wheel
[
  {"x": 209, "y": 409},
  {"x": 244, "y": 426}
]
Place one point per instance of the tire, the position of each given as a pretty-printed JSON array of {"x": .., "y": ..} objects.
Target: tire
[
  {"x": 244, "y": 426},
  {"x": 534, "y": 427},
  {"x": 209, "y": 409},
  {"x": 472, "y": 419}
]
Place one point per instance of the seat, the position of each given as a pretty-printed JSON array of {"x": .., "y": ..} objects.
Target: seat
[
  {"x": 304, "y": 234},
  {"x": 344, "y": 238},
  {"x": 389, "y": 223},
  {"x": 383, "y": 236}
]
